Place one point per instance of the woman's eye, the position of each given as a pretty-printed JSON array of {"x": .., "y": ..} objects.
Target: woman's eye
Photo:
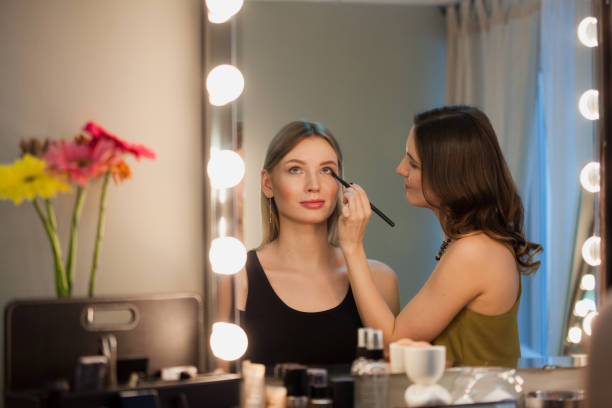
[
  {"x": 326, "y": 170},
  {"x": 294, "y": 170},
  {"x": 413, "y": 165}
]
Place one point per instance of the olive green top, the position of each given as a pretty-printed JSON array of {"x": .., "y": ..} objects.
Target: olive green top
[{"x": 474, "y": 339}]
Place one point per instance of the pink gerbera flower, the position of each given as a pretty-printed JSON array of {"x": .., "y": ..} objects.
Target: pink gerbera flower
[
  {"x": 81, "y": 161},
  {"x": 99, "y": 133}
]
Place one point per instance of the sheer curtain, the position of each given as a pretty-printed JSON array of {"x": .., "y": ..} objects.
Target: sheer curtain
[{"x": 514, "y": 60}]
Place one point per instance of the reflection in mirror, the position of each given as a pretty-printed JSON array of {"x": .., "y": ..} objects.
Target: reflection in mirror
[{"x": 364, "y": 70}]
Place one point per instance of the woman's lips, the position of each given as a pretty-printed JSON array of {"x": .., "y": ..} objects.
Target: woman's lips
[
  {"x": 406, "y": 186},
  {"x": 313, "y": 204}
]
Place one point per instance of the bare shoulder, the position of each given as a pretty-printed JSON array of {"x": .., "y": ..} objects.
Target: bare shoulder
[
  {"x": 479, "y": 248},
  {"x": 381, "y": 270},
  {"x": 385, "y": 280}
]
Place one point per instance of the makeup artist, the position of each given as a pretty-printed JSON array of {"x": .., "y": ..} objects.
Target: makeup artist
[
  {"x": 294, "y": 294},
  {"x": 453, "y": 166}
]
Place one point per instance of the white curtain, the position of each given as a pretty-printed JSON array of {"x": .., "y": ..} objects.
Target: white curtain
[{"x": 513, "y": 60}]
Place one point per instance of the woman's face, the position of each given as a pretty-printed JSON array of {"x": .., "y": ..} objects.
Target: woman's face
[
  {"x": 301, "y": 183},
  {"x": 410, "y": 169}
]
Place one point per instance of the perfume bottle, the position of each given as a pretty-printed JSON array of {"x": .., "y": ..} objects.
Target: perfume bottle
[
  {"x": 295, "y": 379},
  {"x": 362, "y": 351},
  {"x": 373, "y": 381},
  {"x": 318, "y": 389}
]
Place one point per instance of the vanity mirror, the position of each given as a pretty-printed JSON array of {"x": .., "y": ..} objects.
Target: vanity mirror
[{"x": 364, "y": 68}]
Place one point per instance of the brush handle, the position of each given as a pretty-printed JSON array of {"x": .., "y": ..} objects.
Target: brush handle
[{"x": 372, "y": 206}]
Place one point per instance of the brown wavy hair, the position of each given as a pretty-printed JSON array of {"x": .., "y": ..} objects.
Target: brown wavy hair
[
  {"x": 463, "y": 167},
  {"x": 286, "y": 139}
]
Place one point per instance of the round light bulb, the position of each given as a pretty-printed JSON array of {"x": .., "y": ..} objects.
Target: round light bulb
[
  {"x": 589, "y": 177},
  {"x": 227, "y": 255},
  {"x": 219, "y": 11},
  {"x": 583, "y": 307},
  {"x": 588, "y": 104},
  {"x": 225, "y": 169},
  {"x": 587, "y": 32},
  {"x": 587, "y": 282},
  {"x": 591, "y": 251},
  {"x": 224, "y": 84},
  {"x": 228, "y": 341},
  {"x": 574, "y": 335},
  {"x": 587, "y": 323}
]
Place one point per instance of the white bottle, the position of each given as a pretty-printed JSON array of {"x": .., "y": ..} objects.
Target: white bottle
[
  {"x": 373, "y": 381},
  {"x": 362, "y": 351}
]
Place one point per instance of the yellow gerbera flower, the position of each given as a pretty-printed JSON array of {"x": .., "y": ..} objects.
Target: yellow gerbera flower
[{"x": 26, "y": 178}]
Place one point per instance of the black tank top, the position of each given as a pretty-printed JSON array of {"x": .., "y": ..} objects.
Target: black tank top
[{"x": 279, "y": 334}]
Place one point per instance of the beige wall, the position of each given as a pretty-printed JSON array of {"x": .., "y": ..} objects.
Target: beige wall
[
  {"x": 135, "y": 68},
  {"x": 363, "y": 71}
]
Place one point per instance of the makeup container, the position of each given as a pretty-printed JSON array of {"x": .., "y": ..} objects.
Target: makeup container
[
  {"x": 295, "y": 380},
  {"x": 372, "y": 387},
  {"x": 253, "y": 385},
  {"x": 343, "y": 392},
  {"x": 318, "y": 390},
  {"x": 362, "y": 351}
]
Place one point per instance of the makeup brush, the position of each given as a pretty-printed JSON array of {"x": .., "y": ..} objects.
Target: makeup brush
[{"x": 372, "y": 206}]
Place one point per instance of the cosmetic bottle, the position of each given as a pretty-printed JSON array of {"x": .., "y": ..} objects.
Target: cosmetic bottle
[
  {"x": 343, "y": 392},
  {"x": 253, "y": 385},
  {"x": 318, "y": 390},
  {"x": 373, "y": 381},
  {"x": 295, "y": 380},
  {"x": 362, "y": 351}
]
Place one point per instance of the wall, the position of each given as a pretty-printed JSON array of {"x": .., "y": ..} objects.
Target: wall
[
  {"x": 135, "y": 68},
  {"x": 363, "y": 71}
]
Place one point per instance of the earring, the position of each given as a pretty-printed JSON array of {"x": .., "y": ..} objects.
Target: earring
[{"x": 270, "y": 210}]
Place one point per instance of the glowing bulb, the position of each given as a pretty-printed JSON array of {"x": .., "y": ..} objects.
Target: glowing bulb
[
  {"x": 590, "y": 251},
  {"x": 225, "y": 169},
  {"x": 227, "y": 255},
  {"x": 587, "y": 323},
  {"x": 587, "y": 32},
  {"x": 219, "y": 11},
  {"x": 589, "y": 177},
  {"x": 583, "y": 307},
  {"x": 574, "y": 335},
  {"x": 224, "y": 84},
  {"x": 228, "y": 341},
  {"x": 587, "y": 282},
  {"x": 589, "y": 104}
]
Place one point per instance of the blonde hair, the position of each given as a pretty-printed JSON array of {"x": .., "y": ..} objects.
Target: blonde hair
[{"x": 284, "y": 141}]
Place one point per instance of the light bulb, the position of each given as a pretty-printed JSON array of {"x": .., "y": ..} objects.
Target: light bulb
[
  {"x": 591, "y": 251},
  {"x": 583, "y": 307},
  {"x": 219, "y": 11},
  {"x": 587, "y": 323},
  {"x": 228, "y": 341},
  {"x": 587, "y": 32},
  {"x": 588, "y": 104},
  {"x": 587, "y": 282},
  {"x": 227, "y": 255},
  {"x": 574, "y": 335},
  {"x": 589, "y": 177},
  {"x": 224, "y": 84},
  {"x": 225, "y": 168}
]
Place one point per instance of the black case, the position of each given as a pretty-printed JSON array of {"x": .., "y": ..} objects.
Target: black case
[{"x": 44, "y": 339}]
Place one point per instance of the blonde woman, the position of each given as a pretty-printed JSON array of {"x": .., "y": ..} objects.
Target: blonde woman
[{"x": 294, "y": 294}]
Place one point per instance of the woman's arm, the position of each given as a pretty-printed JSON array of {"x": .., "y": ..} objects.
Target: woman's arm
[{"x": 452, "y": 285}]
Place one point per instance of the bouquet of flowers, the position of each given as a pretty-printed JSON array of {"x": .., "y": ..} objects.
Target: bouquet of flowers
[{"x": 47, "y": 168}]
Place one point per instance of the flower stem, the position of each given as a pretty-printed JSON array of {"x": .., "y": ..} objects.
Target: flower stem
[
  {"x": 99, "y": 234},
  {"x": 76, "y": 214},
  {"x": 61, "y": 284}
]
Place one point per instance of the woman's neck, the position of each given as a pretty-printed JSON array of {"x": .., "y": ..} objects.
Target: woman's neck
[{"x": 304, "y": 243}]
